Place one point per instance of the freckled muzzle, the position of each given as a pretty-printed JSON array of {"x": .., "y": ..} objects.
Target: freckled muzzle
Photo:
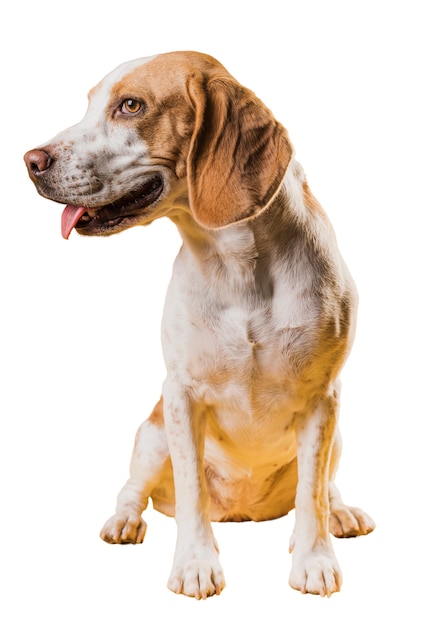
[
  {"x": 103, "y": 220},
  {"x": 93, "y": 220}
]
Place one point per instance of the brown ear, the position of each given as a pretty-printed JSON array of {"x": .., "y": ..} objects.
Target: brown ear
[{"x": 238, "y": 154}]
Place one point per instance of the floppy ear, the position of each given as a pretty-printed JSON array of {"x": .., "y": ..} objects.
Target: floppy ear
[{"x": 238, "y": 154}]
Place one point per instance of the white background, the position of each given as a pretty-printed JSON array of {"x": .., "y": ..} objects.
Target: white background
[{"x": 361, "y": 88}]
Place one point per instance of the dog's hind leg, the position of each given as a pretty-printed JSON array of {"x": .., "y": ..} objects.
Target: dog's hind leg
[
  {"x": 150, "y": 465},
  {"x": 344, "y": 521}
]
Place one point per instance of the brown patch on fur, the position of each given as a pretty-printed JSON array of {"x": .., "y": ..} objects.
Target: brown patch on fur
[
  {"x": 157, "y": 417},
  {"x": 167, "y": 120},
  {"x": 311, "y": 202}
]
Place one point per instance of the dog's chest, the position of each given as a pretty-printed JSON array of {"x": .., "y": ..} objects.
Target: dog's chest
[
  {"x": 252, "y": 330},
  {"x": 252, "y": 357}
]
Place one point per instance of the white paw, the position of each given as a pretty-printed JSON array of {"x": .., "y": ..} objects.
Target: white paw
[
  {"x": 197, "y": 578},
  {"x": 316, "y": 573},
  {"x": 124, "y": 529},
  {"x": 348, "y": 521}
]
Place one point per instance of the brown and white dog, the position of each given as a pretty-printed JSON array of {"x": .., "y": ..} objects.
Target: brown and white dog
[{"x": 259, "y": 316}]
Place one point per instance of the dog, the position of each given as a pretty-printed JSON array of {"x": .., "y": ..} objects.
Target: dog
[{"x": 259, "y": 316}]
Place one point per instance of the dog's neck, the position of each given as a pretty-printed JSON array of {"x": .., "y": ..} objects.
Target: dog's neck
[{"x": 242, "y": 257}]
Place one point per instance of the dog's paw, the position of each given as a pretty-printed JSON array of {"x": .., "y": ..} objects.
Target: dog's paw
[
  {"x": 316, "y": 573},
  {"x": 348, "y": 521},
  {"x": 198, "y": 578},
  {"x": 124, "y": 529}
]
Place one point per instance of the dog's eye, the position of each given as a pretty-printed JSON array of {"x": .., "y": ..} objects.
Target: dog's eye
[{"x": 130, "y": 106}]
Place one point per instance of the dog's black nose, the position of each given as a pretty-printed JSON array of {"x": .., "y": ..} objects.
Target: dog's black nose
[{"x": 37, "y": 162}]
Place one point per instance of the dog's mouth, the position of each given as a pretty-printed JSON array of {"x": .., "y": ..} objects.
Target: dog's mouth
[{"x": 111, "y": 217}]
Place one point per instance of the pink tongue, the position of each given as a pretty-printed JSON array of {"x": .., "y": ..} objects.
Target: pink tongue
[{"x": 70, "y": 217}]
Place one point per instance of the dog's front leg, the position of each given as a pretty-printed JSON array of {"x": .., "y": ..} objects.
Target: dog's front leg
[
  {"x": 196, "y": 570},
  {"x": 314, "y": 566}
]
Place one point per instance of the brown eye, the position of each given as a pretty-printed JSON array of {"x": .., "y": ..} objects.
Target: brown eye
[{"x": 130, "y": 106}]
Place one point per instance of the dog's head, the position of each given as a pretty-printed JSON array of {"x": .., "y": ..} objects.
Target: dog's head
[{"x": 161, "y": 135}]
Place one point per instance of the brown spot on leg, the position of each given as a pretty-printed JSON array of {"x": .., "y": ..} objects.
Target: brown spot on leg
[{"x": 157, "y": 417}]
